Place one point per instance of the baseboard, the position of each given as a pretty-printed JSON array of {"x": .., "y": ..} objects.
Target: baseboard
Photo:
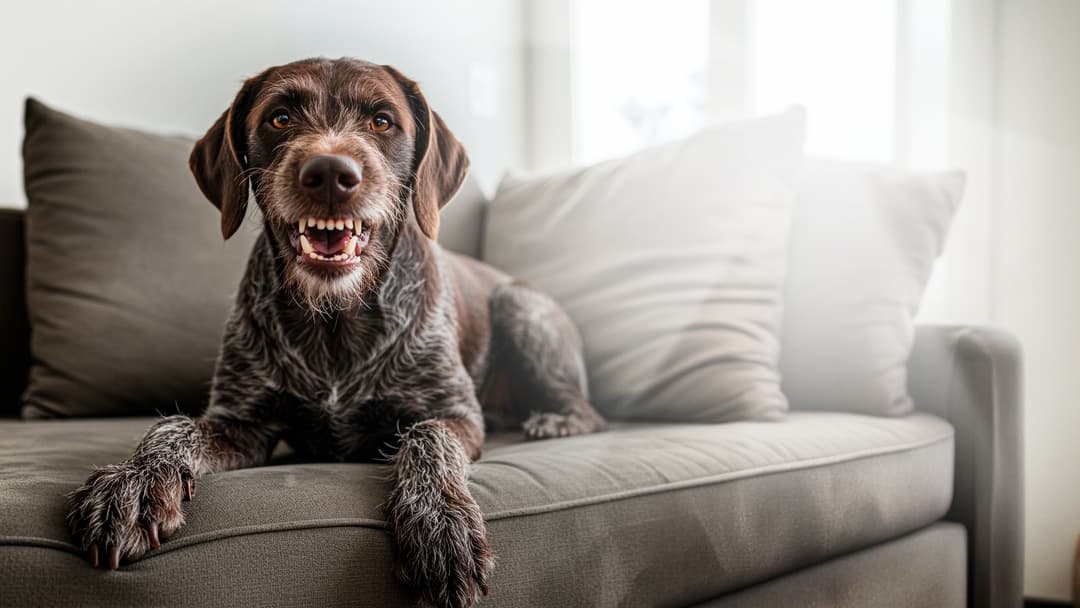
[{"x": 1031, "y": 602}]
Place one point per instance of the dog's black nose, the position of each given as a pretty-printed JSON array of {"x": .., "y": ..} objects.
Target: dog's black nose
[{"x": 330, "y": 178}]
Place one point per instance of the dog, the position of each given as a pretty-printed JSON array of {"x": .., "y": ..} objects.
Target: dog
[{"x": 354, "y": 336}]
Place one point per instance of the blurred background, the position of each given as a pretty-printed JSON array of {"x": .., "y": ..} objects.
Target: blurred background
[{"x": 989, "y": 86}]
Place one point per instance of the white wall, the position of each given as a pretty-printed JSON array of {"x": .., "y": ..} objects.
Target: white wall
[
  {"x": 173, "y": 67},
  {"x": 1036, "y": 268},
  {"x": 548, "y": 86}
]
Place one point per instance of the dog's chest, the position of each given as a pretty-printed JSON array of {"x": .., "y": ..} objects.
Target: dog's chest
[
  {"x": 347, "y": 414},
  {"x": 331, "y": 427},
  {"x": 351, "y": 385}
]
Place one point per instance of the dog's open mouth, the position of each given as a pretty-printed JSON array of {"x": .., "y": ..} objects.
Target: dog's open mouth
[{"x": 330, "y": 241}]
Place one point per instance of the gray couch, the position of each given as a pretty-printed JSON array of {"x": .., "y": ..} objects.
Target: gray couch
[{"x": 822, "y": 509}]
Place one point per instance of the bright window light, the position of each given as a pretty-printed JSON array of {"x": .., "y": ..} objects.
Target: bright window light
[
  {"x": 639, "y": 70},
  {"x": 838, "y": 59}
]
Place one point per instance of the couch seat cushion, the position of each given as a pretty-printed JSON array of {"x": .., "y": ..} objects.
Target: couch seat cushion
[{"x": 643, "y": 514}]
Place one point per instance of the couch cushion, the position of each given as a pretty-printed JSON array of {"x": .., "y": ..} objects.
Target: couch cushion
[
  {"x": 128, "y": 280},
  {"x": 925, "y": 568},
  {"x": 863, "y": 244},
  {"x": 461, "y": 224},
  {"x": 639, "y": 515},
  {"x": 671, "y": 263}
]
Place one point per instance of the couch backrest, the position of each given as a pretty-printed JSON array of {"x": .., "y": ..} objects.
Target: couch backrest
[
  {"x": 14, "y": 326},
  {"x": 461, "y": 228}
]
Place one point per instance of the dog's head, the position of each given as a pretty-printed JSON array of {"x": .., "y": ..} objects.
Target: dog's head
[{"x": 341, "y": 155}]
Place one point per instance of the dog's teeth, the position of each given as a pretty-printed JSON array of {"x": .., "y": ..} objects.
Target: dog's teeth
[
  {"x": 359, "y": 225},
  {"x": 340, "y": 224},
  {"x": 305, "y": 244},
  {"x": 349, "y": 224},
  {"x": 313, "y": 255},
  {"x": 300, "y": 224},
  {"x": 321, "y": 224}
]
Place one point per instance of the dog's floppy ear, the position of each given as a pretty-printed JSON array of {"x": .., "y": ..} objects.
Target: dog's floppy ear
[
  {"x": 440, "y": 163},
  {"x": 220, "y": 157}
]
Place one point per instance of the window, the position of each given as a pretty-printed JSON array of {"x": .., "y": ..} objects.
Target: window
[{"x": 638, "y": 74}]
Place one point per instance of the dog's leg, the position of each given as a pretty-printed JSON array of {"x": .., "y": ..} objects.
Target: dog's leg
[
  {"x": 442, "y": 545},
  {"x": 125, "y": 509},
  {"x": 541, "y": 352}
]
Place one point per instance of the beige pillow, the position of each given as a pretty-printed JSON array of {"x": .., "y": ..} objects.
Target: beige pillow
[
  {"x": 863, "y": 245},
  {"x": 671, "y": 263}
]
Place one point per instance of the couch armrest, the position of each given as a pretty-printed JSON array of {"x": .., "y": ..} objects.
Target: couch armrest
[{"x": 971, "y": 376}]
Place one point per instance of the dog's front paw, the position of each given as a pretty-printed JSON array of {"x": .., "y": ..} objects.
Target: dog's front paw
[
  {"x": 550, "y": 425},
  {"x": 124, "y": 510},
  {"x": 442, "y": 547}
]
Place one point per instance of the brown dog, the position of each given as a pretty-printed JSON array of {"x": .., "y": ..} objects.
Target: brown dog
[{"x": 353, "y": 332}]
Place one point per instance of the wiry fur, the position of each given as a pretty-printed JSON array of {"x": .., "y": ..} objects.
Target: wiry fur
[
  {"x": 381, "y": 185},
  {"x": 430, "y": 507},
  {"x": 394, "y": 362}
]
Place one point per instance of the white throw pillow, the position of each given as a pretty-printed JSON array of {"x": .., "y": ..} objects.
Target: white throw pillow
[
  {"x": 671, "y": 263},
  {"x": 863, "y": 244}
]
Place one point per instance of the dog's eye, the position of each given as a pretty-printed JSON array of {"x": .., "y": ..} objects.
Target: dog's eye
[
  {"x": 280, "y": 120},
  {"x": 380, "y": 123}
]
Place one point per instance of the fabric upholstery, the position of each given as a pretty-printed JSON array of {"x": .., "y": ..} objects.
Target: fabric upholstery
[
  {"x": 972, "y": 376},
  {"x": 14, "y": 326},
  {"x": 129, "y": 282},
  {"x": 642, "y": 515},
  {"x": 924, "y": 569},
  {"x": 461, "y": 222},
  {"x": 671, "y": 263},
  {"x": 863, "y": 244}
]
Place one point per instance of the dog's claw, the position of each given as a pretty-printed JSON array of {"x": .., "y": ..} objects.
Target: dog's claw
[
  {"x": 155, "y": 541},
  {"x": 189, "y": 489},
  {"x": 94, "y": 561},
  {"x": 114, "y": 558}
]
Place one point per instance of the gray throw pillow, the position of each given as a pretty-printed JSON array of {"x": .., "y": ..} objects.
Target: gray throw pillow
[
  {"x": 863, "y": 244},
  {"x": 671, "y": 263},
  {"x": 128, "y": 280}
]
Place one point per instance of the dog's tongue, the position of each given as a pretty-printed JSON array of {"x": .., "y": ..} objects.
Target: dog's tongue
[{"x": 328, "y": 242}]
